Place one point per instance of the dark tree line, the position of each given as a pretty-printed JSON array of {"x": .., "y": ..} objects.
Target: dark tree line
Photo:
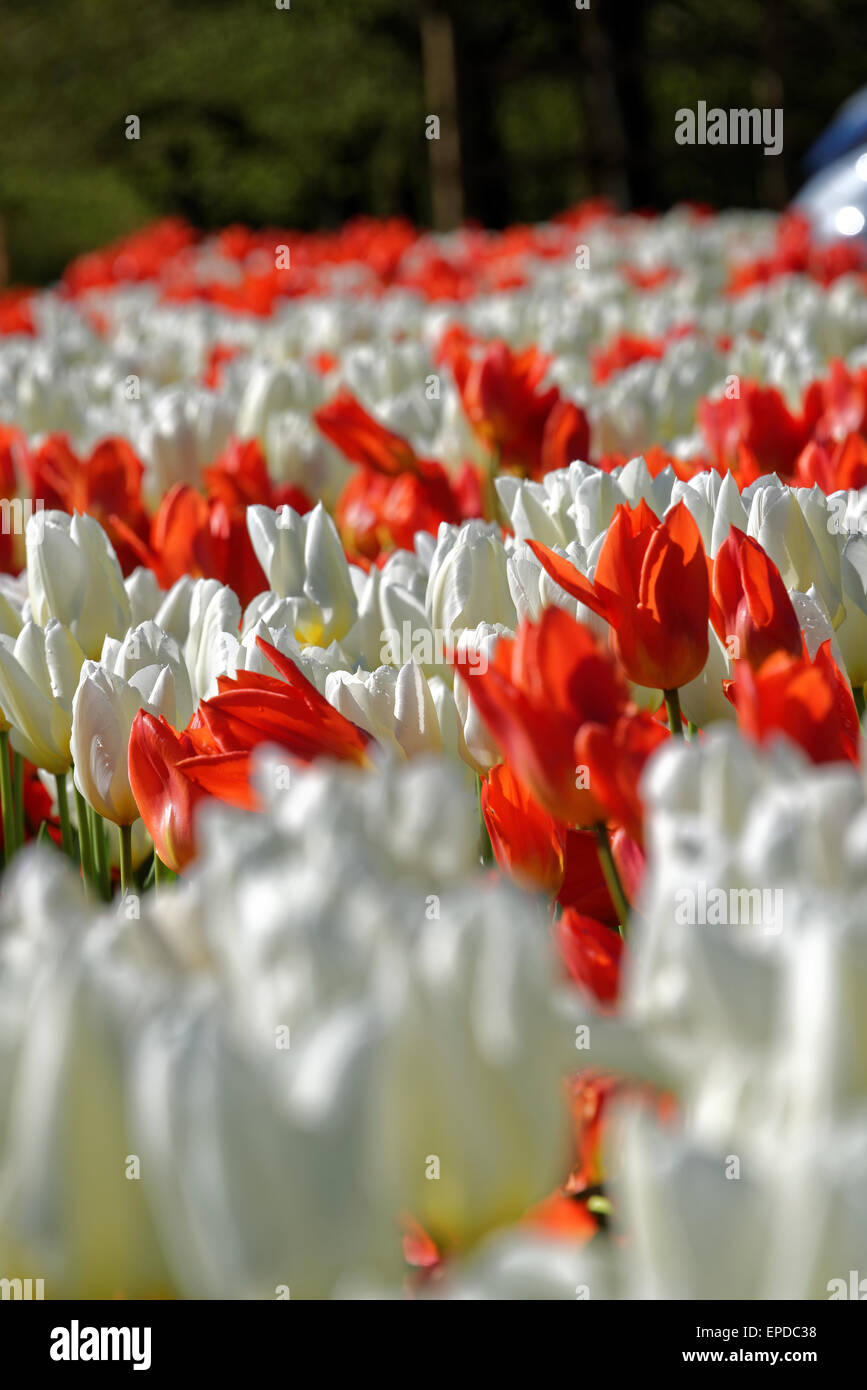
[{"x": 306, "y": 116}]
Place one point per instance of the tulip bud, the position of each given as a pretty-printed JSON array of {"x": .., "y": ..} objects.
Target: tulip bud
[
  {"x": 73, "y": 575},
  {"x": 469, "y": 580},
  {"x": 303, "y": 558},
  {"x": 103, "y": 710},
  {"x": 38, "y": 675}
]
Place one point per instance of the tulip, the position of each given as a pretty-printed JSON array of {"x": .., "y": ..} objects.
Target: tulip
[
  {"x": 651, "y": 585},
  {"x": 481, "y": 750},
  {"x": 103, "y": 711},
  {"x": 566, "y": 437},
  {"x": 170, "y": 773},
  {"x": 615, "y": 755},
  {"x": 754, "y": 607},
  {"x": 808, "y": 701},
  {"x": 852, "y": 632},
  {"x": 362, "y": 438},
  {"x": 148, "y": 645},
  {"x": 252, "y": 709},
  {"x": 526, "y": 840},
  {"x": 534, "y": 696},
  {"x": 592, "y": 954},
  {"x": 499, "y": 392},
  {"x": 469, "y": 579},
  {"x": 303, "y": 558},
  {"x": 799, "y": 543},
  {"x": 165, "y": 796},
  {"x": 38, "y": 676},
  {"x": 584, "y": 887},
  {"x": 73, "y": 576},
  {"x": 399, "y": 709}
]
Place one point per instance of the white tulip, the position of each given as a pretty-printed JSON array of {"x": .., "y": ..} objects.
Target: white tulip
[
  {"x": 103, "y": 711},
  {"x": 38, "y": 676},
  {"x": 852, "y": 632},
  {"x": 304, "y": 560},
  {"x": 147, "y": 645},
  {"x": 73, "y": 575},
  {"x": 468, "y": 581}
]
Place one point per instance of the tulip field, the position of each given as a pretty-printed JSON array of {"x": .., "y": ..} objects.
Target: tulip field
[{"x": 434, "y": 818}]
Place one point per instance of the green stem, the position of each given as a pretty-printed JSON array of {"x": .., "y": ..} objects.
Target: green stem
[
  {"x": 63, "y": 807},
  {"x": 18, "y": 796},
  {"x": 100, "y": 854},
  {"x": 84, "y": 843},
  {"x": 9, "y": 823},
  {"x": 126, "y": 879},
  {"x": 858, "y": 695},
  {"x": 672, "y": 709},
  {"x": 490, "y": 500},
  {"x": 486, "y": 852},
  {"x": 162, "y": 873},
  {"x": 611, "y": 876}
]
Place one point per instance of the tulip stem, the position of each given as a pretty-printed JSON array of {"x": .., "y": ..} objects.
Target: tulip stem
[
  {"x": 84, "y": 843},
  {"x": 611, "y": 876},
  {"x": 858, "y": 696},
  {"x": 18, "y": 796},
  {"x": 9, "y": 835},
  {"x": 100, "y": 856},
  {"x": 63, "y": 808},
  {"x": 486, "y": 852},
  {"x": 162, "y": 873},
  {"x": 124, "y": 833},
  {"x": 672, "y": 709}
]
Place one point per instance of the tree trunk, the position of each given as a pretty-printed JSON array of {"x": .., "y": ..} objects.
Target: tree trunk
[{"x": 441, "y": 94}]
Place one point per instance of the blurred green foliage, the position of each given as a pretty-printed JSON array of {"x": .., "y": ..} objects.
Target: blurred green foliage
[{"x": 306, "y": 116}]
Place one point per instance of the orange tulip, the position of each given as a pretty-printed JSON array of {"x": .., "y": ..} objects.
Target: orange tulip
[{"x": 651, "y": 585}]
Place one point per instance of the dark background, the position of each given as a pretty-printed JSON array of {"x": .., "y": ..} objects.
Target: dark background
[{"x": 304, "y": 117}]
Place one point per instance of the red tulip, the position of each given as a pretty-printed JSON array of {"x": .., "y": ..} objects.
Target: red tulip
[
  {"x": 584, "y": 887},
  {"x": 592, "y": 954},
  {"x": 165, "y": 796},
  {"x": 395, "y": 494},
  {"x": 651, "y": 585},
  {"x": 535, "y": 695},
  {"x": 171, "y": 773},
  {"x": 362, "y": 439},
  {"x": 250, "y": 709},
  {"x": 526, "y": 840},
  {"x": 499, "y": 390},
  {"x": 615, "y": 755},
  {"x": 809, "y": 701},
  {"x": 566, "y": 437},
  {"x": 752, "y": 602}
]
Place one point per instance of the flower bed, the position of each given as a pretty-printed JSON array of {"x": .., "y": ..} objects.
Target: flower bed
[{"x": 431, "y": 679}]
